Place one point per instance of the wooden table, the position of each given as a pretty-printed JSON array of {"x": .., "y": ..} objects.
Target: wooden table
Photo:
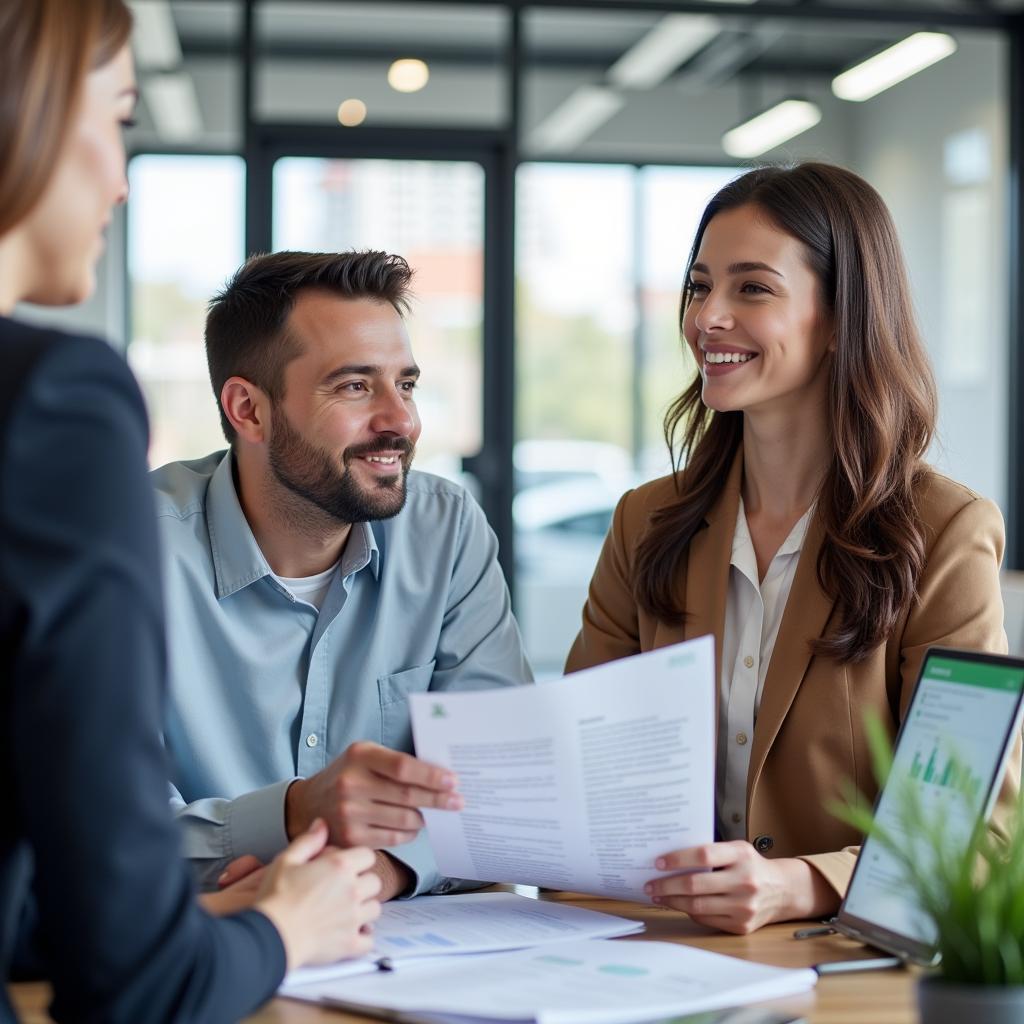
[{"x": 876, "y": 997}]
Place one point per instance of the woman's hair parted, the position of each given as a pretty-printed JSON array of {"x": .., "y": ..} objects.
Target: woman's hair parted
[
  {"x": 882, "y": 412},
  {"x": 47, "y": 47}
]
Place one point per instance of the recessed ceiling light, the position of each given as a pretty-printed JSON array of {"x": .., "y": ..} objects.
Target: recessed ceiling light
[
  {"x": 885, "y": 69},
  {"x": 775, "y": 126},
  {"x": 408, "y": 75},
  {"x": 352, "y": 113}
]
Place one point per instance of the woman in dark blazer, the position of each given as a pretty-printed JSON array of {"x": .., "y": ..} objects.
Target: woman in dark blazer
[
  {"x": 90, "y": 872},
  {"x": 805, "y": 532}
]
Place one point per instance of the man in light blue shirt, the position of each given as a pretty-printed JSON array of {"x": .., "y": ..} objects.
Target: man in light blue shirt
[{"x": 313, "y": 582}]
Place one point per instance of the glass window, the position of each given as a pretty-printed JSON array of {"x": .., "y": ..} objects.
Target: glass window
[
  {"x": 430, "y": 212},
  {"x": 576, "y": 319},
  {"x": 185, "y": 238},
  {"x": 601, "y": 250},
  {"x": 672, "y": 200}
]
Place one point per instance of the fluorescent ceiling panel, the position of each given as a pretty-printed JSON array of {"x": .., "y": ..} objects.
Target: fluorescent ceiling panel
[
  {"x": 781, "y": 123},
  {"x": 174, "y": 105},
  {"x": 671, "y": 42},
  {"x": 155, "y": 38},
  {"x": 897, "y": 63},
  {"x": 575, "y": 119}
]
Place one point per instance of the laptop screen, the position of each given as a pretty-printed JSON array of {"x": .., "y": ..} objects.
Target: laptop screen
[{"x": 954, "y": 739}]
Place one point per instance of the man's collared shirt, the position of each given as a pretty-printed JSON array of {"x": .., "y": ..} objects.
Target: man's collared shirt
[{"x": 265, "y": 689}]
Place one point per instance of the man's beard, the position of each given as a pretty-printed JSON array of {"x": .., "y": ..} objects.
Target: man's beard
[{"x": 312, "y": 474}]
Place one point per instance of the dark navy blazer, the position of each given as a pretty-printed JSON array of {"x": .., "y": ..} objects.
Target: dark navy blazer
[{"x": 88, "y": 849}]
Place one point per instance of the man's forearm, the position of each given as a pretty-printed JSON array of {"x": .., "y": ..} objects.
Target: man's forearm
[
  {"x": 395, "y": 877},
  {"x": 296, "y": 820}
]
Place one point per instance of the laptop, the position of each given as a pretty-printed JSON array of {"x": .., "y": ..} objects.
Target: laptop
[{"x": 964, "y": 716}]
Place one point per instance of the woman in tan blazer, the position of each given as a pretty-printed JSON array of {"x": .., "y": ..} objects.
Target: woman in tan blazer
[{"x": 803, "y": 530}]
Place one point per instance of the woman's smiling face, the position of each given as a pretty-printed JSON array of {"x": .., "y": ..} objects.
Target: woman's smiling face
[{"x": 756, "y": 321}]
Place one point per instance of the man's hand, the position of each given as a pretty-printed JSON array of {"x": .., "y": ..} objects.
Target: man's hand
[
  {"x": 732, "y": 887},
  {"x": 369, "y": 797},
  {"x": 239, "y": 887},
  {"x": 394, "y": 876},
  {"x": 241, "y": 880}
]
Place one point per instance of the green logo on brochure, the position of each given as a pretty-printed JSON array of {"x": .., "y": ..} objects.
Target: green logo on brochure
[{"x": 438, "y": 711}]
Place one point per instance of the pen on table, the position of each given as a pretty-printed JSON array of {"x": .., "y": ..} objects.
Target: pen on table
[
  {"x": 880, "y": 963},
  {"x": 807, "y": 933}
]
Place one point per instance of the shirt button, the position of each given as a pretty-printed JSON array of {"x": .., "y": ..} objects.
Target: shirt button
[
  {"x": 741, "y": 738},
  {"x": 763, "y": 844},
  {"x": 311, "y": 740},
  {"x": 748, "y": 661},
  {"x": 737, "y": 818}
]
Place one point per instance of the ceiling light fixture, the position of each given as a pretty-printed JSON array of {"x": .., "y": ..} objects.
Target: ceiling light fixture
[
  {"x": 576, "y": 119},
  {"x": 351, "y": 113},
  {"x": 775, "y": 126},
  {"x": 408, "y": 74},
  {"x": 174, "y": 105},
  {"x": 885, "y": 69},
  {"x": 671, "y": 42},
  {"x": 155, "y": 38}
]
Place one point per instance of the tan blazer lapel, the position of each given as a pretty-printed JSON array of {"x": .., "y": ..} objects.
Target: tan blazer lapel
[
  {"x": 706, "y": 583},
  {"x": 707, "y": 571},
  {"x": 806, "y": 616}
]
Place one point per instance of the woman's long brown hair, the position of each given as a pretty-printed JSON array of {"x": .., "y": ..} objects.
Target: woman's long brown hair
[
  {"x": 46, "y": 49},
  {"x": 882, "y": 410}
]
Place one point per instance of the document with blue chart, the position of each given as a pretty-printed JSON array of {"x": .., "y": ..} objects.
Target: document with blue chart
[{"x": 463, "y": 925}]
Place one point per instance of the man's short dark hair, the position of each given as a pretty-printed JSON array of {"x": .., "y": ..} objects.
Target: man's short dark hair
[{"x": 246, "y": 332}]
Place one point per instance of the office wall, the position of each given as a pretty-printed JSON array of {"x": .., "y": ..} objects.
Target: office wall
[{"x": 935, "y": 147}]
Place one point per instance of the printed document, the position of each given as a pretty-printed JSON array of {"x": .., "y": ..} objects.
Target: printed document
[
  {"x": 477, "y": 922},
  {"x": 579, "y": 783},
  {"x": 584, "y": 982}
]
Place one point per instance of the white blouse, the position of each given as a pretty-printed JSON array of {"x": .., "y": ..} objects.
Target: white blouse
[{"x": 753, "y": 614}]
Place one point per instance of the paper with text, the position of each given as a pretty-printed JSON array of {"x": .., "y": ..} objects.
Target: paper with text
[
  {"x": 579, "y": 783},
  {"x": 476, "y": 922},
  {"x": 587, "y": 982}
]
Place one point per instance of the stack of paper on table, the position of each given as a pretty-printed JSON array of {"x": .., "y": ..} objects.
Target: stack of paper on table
[
  {"x": 580, "y": 982},
  {"x": 469, "y": 923},
  {"x": 581, "y": 783}
]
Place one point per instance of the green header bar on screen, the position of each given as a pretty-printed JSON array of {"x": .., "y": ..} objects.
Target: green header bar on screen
[{"x": 976, "y": 673}]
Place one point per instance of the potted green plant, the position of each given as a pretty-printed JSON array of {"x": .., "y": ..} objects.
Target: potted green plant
[{"x": 973, "y": 894}]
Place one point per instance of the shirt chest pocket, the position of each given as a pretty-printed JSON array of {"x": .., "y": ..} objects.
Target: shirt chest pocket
[{"x": 395, "y": 730}]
